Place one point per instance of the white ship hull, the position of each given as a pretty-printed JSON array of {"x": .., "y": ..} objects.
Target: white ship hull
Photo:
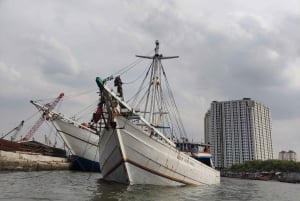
[
  {"x": 129, "y": 155},
  {"x": 82, "y": 142}
]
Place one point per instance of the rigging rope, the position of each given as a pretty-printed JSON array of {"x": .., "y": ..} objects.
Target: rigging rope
[
  {"x": 81, "y": 112},
  {"x": 173, "y": 102},
  {"x": 94, "y": 104},
  {"x": 140, "y": 88},
  {"x": 166, "y": 100},
  {"x": 69, "y": 95},
  {"x": 129, "y": 66},
  {"x": 139, "y": 76}
]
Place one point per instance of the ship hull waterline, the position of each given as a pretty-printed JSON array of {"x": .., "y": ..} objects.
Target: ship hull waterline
[
  {"x": 83, "y": 145},
  {"x": 132, "y": 156}
]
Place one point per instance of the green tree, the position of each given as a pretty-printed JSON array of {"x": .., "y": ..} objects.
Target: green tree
[{"x": 267, "y": 165}]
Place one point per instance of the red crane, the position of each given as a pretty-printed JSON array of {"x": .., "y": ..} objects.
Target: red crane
[{"x": 40, "y": 121}]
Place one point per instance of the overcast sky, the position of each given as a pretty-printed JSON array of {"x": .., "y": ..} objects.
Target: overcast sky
[{"x": 228, "y": 50}]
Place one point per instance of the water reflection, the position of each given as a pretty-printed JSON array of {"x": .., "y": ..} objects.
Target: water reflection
[
  {"x": 80, "y": 186},
  {"x": 111, "y": 191},
  {"x": 233, "y": 189},
  {"x": 228, "y": 190}
]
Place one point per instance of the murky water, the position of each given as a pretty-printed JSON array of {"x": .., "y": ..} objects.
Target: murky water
[{"x": 68, "y": 185}]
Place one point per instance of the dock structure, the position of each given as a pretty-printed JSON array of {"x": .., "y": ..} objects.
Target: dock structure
[{"x": 28, "y": 161}]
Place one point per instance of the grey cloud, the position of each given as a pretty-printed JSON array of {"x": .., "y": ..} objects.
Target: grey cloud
[
  {"x": 62, "y": 46},
  {"x": 54, "y": 57}
]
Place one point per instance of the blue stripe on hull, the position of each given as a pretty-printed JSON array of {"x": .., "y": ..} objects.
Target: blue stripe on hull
[{"x": 84, "y": 164}]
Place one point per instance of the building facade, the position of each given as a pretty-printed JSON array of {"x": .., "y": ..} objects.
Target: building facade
[
  {"x": 287, "y": 155},
  {"x": 238, "y": 131}
]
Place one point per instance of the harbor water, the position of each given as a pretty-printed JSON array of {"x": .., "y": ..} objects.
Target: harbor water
[{"x": 82, "y": 186}]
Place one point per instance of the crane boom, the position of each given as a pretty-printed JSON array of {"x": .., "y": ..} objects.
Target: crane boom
[
  {"x": 16, "y": 130},
  {"x": 40, "y": 121}
]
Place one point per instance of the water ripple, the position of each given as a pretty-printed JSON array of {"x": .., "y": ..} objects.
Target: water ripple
[{"x": 68, "y": 185}]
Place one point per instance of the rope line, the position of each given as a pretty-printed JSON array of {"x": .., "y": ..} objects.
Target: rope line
[{"x": 130, "y": 66}]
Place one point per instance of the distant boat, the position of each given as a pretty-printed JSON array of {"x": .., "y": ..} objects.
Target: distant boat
[
  {"x": 82, "y": 140},
  {"x": 139, "y": 147}
]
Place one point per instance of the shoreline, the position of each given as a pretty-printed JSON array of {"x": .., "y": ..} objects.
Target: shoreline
[
  {"x": 28, "y": 161},
  {"x": 287, "y": 177}
]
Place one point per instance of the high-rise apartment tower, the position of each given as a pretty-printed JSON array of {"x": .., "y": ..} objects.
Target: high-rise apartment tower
[
  {"x": 238, "y": 131},
  {"x": 287, "y": 155}
]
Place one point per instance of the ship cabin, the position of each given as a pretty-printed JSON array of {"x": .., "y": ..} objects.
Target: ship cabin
[{"x": 199, "y": 151}]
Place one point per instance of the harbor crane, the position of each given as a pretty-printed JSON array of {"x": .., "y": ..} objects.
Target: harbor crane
[
  {"x": 16, "y": 130},
  {"x": 40, "y": 121}
]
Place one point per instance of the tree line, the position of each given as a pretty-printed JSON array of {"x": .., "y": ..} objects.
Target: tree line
[{"x": 266, "y": 166}]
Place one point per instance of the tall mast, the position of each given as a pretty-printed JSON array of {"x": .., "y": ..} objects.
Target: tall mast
[{"x": 154, "y": 90}]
